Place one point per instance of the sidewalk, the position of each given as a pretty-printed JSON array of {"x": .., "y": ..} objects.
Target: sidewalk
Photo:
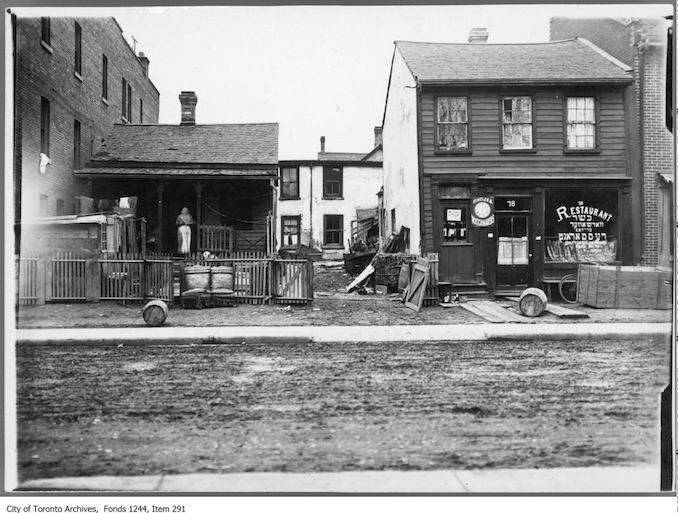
[
  {"x": 339, "y": 334},
  {"x": 553, "y": 480}
]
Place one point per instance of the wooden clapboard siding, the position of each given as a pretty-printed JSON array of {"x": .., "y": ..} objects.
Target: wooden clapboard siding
[{"x": 549, "y": 157}]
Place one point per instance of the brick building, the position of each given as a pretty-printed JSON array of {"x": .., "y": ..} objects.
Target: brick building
[
  {"x": 74, "y": 78},
  {"x": 642, "y": 44}
]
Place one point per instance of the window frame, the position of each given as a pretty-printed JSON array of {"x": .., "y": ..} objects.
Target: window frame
[
  {"x": 46, "y": 33},
  {"x": 596, "y": 132},
  {"x": 326, "y": 231},
  {"x": 141, "y": 110},
  {"x": 283, "y": 195},
  {"x": 43, "y": 205},
  {"x": 340, "y": 194},
  {"x": 124, "y": 101},
  {"x": 45, "y": 121},
  {"x": 297, "y": 220},
  {"x": 77, "y": 61},
  {"x": 533, "y": 133},
  {"x": 469, "y": 141},
  {"x": 104, "y": 78},
  {"x": 129, "y": 102},
  {"x": 77, "y": 144}
]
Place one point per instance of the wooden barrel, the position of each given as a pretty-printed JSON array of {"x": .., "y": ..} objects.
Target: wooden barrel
[
  {"x": 197, "y": 277},
  {"x": 532, "y": 302},
  {"x": 155, "y": 312},
  {"x": 222, "y": 278}
]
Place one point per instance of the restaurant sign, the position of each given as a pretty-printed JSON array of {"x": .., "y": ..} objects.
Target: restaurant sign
[{"x": 582, "y": 223}]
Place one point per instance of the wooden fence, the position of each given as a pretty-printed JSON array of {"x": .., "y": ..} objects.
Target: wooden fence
[
  {"x": 257, "y": 280},
  {"x": 128, "y": 277},
  {"x": 28, "y": 282},
  {"x": 67, "y": 275}
]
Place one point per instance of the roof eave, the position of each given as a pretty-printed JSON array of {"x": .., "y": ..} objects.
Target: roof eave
[{"x": 526, "y": 81}]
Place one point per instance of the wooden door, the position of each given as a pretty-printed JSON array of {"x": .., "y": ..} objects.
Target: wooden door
[
  {"x": 456, "y": 249},
  {"x": 513, "y": 250}
]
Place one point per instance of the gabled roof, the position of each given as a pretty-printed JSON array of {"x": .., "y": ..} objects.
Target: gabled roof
[
  {"x": 255, "y": 143},
  {"x": 571, "y": 61}
]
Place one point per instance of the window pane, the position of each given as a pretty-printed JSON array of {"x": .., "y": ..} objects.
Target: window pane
[
  {"x": 453, "y": 136},
  {"x": 518, "y": 136},
  {"x": 452, "y": 109}
]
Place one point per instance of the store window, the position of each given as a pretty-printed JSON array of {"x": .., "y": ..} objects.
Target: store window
[
  {"x": 455, "y": 224},
  {"x": 452, "y": 123},
  {"x": 581, "y": 225},
  {"x": 291, "y": 226}
]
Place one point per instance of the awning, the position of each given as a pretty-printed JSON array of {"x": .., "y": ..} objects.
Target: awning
[{"x": 155, "y": 172}]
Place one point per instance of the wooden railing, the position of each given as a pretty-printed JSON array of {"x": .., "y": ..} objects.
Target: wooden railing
[{"x": 215, "y": 238}]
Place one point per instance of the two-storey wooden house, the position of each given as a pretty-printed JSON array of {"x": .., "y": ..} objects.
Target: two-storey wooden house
[{"x": 509, "y": 160}]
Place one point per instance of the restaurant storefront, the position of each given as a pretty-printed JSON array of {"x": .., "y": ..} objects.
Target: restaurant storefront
[{"x": 504, "y": 235}]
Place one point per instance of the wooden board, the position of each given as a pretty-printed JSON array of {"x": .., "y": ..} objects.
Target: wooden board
[
  {"x": 560, "y": 311},
  {"x": 414, "y": 297},
  {"x": 492, "y": 312}
]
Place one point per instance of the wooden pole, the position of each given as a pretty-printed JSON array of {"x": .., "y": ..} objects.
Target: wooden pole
[
  {"x": 198, "y": 186},
  {"x": 160, "y": 188}
]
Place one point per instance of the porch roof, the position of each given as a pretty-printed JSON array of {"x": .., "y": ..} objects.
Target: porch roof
[
  {"x": 224, "y": 144},
  {"x": 176, "y": 172}
]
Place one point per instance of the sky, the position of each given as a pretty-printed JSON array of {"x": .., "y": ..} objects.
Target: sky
[{"x": 315, "y": 70}]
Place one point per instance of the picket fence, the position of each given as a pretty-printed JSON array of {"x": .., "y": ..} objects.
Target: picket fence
[{"x": 74, "y": 277}]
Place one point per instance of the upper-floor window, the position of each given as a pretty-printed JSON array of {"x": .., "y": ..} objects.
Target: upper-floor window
[
  {"x": 104, "y": 77},
  {"x": 78, "y": 49},
  {"x": 43, "y": 205},
  {"x": 452, "y": 123},
  {"x": 289, "y": 182},
  {"x": 141, "y": 110},
  {"x": 77, "y": 148},
  {"x": 332, "y": 182},
  {"x": 129, "y": 102},
  {"x": 44, "y": 125},
  {"x": 60, "y": 207},
  {"x": 333, "y": 230},
  {"x": 581, "y": 123},
  {"x": 125, "y": 108},
  {"x": 45, "y": 31},
  {"x": 516, "y": 118}
]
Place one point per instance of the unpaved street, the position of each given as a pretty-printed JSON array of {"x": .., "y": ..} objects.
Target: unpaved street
[{"x": 316, "y": 407}]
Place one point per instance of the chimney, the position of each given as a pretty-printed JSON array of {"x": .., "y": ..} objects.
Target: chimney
[
  {"x": 478, "y": 36},
  {"x": 144, "y": 62},
  {"x": 377, "y": 136},
  {"x": 188, "y": 101},
  {"x": 322, "y": 143}
]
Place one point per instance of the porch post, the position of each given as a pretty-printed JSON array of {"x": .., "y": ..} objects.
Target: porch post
[
  {"x": 198, "y": 186},
  {"x": 160, "y": 188}
]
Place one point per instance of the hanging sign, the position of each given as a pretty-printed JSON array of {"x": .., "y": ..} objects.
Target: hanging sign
[{"x": 482, "y": 211}]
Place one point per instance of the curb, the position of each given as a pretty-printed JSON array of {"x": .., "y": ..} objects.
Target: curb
[
  {"x": 284, "y": 335},
  {"x": 640, "y": 479}
]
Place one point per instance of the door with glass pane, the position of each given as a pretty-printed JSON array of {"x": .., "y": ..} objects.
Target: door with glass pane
[
  {"x": 514, "y": 254},
  {"x": 456, "y": 250}
]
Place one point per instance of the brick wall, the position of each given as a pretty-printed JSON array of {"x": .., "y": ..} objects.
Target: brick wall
[{"x": 50, "y": 72}]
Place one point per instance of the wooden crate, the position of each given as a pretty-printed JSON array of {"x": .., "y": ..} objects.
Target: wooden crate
[{"x": 607, "y": 286}]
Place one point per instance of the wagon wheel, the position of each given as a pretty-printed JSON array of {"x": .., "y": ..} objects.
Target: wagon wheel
[{"x": 567, "y": 287}]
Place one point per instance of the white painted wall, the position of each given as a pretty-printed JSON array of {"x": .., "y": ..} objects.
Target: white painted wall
[
  {"x": 401, "y": 167},
  {"x": 360, "y": 188}
]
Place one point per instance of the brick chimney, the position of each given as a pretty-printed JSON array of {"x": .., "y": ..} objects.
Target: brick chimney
[
  {"x": 322, "y": 143},
  {"x": 377, "y": 136},
  {"x": 188, "y": 101},
  {"x": 144, "y": 62},
  {"x": 478, "y": 36}
]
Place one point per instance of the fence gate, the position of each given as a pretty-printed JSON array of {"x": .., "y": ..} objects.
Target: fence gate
[
  {"x": 68, "y": 272},
  {"x": 292, "y": 281},
  {"x": 27, "y": 273},
  {"x": 121, "y": 276},
  {"x": 158, "y": 277}
]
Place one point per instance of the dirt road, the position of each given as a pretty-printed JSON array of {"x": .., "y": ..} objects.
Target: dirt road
[{"x": 315, "y": 407}]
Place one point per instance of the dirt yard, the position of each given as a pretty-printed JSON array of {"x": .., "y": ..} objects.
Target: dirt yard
[
  {"x": 331, "y": 307},
  {"x": 316, "y": 407}
]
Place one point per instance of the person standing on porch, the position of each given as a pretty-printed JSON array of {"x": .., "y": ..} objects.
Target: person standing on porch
[{"x": 184, "y": 222}]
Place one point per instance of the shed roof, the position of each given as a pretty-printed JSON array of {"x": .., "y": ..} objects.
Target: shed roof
[
  {"x": 253, "y": 143},
  {"x": 570, "y": 61}
]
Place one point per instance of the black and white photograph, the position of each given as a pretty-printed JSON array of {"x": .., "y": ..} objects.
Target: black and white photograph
[{"x": 322, "y": 250}]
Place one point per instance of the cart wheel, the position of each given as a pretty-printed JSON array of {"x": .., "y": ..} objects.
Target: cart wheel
[{"x": 567, "y": 287}]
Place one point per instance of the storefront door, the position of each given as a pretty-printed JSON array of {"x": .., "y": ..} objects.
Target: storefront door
[
  {"x": 514, "y": 253},
  {"x": 456, "y": 249}
]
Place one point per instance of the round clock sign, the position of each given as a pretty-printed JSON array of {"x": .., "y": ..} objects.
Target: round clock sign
[{"x": 482, "y": 211}]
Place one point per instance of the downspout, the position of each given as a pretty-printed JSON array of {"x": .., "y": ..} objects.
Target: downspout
[
  {"x": 420, "y": 161},
  {"x": 641, "y": 107},
  {"x": 310, "y": 207}
]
